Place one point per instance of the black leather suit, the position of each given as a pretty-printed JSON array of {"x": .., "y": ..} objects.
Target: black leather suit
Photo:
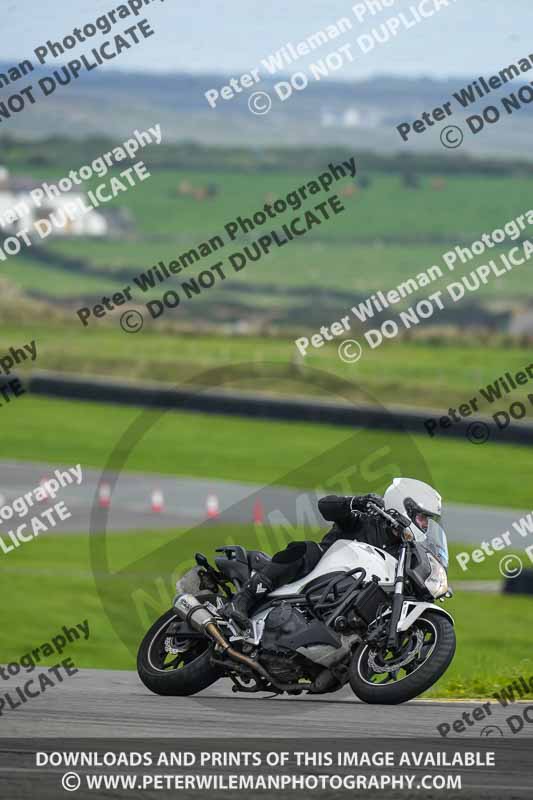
[{"x": 299, "y": 558}]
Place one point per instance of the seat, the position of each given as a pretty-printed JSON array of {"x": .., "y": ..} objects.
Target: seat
[
  {"x": 257, "y": 559},
  {"x": 237, "y": 562}
]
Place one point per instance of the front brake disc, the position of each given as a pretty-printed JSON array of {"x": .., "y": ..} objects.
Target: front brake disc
[{"x": 394, "y": 665}]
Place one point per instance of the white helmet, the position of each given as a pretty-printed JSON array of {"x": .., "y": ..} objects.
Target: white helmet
[{"x": 416, "y": 500}]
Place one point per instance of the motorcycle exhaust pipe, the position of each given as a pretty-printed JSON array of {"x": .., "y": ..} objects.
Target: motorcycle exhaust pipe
[
  {"x": 201, "y": 619},
  {"x": 193, "y": 612}
]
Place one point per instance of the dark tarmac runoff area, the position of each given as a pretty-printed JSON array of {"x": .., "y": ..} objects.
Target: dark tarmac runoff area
[{"x": 108, "y": 703}]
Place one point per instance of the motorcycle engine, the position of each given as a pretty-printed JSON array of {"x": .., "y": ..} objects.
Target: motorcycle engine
[
  {"x": 291, "y": 631},
  {"x": 282, "y": 623}
]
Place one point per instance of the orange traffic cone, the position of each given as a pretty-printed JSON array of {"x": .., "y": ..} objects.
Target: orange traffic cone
[
  {"x": 259, "y": 513},
  {"x": 157, "y": 501},
  {"x": 213, "y": 509},
  {"x": 104, "y": 495}
]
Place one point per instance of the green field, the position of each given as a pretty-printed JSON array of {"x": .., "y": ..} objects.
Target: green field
[
  {"x": 27, "y": 273},
  {"x": 386, "y": 234},
  {"x": 119, "y": 607},
  {"x": 431, "y": 374},
  {"x": 281, "y": 453},
  {"x": 348, "y": 268},
  {"x": 386, "y": 209}
]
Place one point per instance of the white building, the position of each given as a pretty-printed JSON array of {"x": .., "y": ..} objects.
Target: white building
[{"x": 18, "y": 211}]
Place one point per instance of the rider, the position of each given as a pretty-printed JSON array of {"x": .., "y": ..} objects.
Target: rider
[{"x": 411, "y": 498}]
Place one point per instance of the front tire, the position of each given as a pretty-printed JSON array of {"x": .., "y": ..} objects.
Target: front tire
[
  {"x": 181, "y": 674},
  {"x": 372, "y": 682}
]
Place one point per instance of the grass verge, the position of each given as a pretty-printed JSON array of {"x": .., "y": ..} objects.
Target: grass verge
[
  {"x": 440, "y": 374},
  {"x": 283, "y": 453}
]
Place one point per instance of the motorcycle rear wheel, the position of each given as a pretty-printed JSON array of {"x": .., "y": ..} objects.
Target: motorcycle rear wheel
[
  {"x": 181, "y": 674},
  {"x": 372, "y": 682}
]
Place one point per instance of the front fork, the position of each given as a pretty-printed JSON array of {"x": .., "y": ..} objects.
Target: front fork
[{"x": 398, "y": 598}]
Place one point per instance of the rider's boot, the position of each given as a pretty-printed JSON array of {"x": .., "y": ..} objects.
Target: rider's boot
[{"x": 243, "y": 602}]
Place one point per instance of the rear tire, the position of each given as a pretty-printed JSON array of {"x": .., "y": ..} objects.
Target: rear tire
[
  {"x": 436, "y": 661},
  {"x": 181, "y": 676}
]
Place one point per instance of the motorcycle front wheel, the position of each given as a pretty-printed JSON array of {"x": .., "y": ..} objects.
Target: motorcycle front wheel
[
  {"x": 181, "y": 673},
  {"x": 424, "y": 654}
]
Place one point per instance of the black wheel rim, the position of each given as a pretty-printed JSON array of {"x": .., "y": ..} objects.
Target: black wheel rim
[
  {"x": 384, "y": 667},
  {"x": 162, "y": 660}
]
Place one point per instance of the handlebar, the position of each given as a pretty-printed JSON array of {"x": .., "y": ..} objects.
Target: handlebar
[{"x": 398, "y": 521}]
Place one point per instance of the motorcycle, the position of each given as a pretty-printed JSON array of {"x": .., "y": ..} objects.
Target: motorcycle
[{"x": 360, "y": 616}]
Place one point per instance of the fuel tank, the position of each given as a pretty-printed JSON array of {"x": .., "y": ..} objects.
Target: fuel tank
[{"x": 343, "y": 556}]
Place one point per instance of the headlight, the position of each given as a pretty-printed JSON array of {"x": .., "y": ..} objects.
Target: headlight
[{"x": 437, "y": 583}]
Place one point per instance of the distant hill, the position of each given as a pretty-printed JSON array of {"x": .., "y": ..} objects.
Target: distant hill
[{"x": 359, "y": 114}]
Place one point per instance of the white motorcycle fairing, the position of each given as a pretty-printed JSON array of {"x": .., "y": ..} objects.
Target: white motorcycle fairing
[
  {"x": 343, "y": 556},
  {"x": 413, "y": 609}
]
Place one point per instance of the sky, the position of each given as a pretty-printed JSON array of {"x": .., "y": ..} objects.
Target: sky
[{"x": 209, "y": 36}]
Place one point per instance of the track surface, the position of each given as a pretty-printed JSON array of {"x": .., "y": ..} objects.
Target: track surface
[
  {"x": 108, "y": 703},
  {"x": 185, "y": 503}
]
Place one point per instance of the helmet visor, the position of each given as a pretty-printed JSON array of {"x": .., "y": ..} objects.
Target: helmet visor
[
  {"x": 420, "y": 517},
  {"x": 422, "y": 521}
]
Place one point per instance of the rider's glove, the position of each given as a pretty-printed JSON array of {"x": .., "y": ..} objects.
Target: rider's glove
[
  {"x": 334, "y": 508},
  {"x": 360, "y": 502}
]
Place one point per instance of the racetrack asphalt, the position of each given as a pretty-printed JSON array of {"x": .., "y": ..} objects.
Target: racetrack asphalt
[
  {"x": 108, "y": 703},
  {"x": 185, "y": 502}
]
